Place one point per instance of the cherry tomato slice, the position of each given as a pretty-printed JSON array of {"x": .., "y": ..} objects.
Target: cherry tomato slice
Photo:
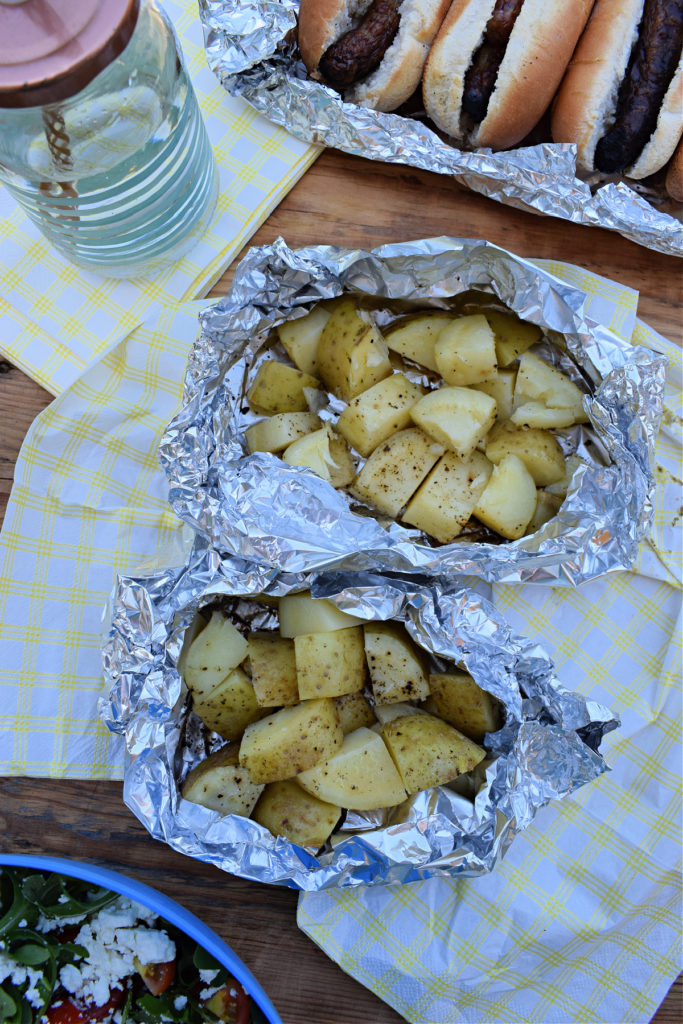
[
  {"x": 230, "y": 1004},
  {"x": 158, "y": 977},
  {"x": 69, "y": 1012}
]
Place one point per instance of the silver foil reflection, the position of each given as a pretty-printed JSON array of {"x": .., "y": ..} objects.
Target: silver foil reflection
[
  {"x": 251, "y": 46},
  {"x": 259, "y": 508},
  {"x": 547, "y": 747}
]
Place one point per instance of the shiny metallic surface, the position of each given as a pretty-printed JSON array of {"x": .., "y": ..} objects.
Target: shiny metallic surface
[
  {"x": 251, "y": 47},
  {"x": 259, "y": 508},
  {"x": 546, "y": 748}
]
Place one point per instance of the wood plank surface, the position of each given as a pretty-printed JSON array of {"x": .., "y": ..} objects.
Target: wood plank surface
[{"x": 343, "y": 201}]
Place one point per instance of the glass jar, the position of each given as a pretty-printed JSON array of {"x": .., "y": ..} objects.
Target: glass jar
[{"x": 101, "y": 138}]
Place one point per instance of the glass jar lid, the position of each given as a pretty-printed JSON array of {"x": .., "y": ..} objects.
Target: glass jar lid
[{"x": 51, "y": 49}]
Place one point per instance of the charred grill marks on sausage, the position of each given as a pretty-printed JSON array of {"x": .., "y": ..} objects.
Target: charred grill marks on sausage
[
  {"x": 360, "y": 51},
  {"x": 481, "y": 75},
  {"x": 651, "y": 67}
]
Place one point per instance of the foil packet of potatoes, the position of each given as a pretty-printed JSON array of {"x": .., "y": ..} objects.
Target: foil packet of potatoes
[
  {"x": 252, "y": 48},
  {"x": 364, "y": 465},
  {"x": 309, "y": 790}
]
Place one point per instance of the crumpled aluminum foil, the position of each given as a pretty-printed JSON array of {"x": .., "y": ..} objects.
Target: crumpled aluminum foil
[
  {"x": 259, "y": 508},
  {"x": 251, "y": 47},
  {"x": 547, "y": 747}
]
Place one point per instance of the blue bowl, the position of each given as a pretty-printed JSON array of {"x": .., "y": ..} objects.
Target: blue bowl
[{"x": 161, "y": 905}]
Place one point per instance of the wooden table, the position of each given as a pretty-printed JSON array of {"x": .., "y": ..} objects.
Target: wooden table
[{"x": 349, "y": 202}]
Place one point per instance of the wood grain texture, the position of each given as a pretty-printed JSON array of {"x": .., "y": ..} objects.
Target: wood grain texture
[{"x": 342, "y": 201}]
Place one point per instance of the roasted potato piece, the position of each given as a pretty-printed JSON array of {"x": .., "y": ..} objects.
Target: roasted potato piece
[
  {"x": 279, "y": 431},
  {"x": 538, "y": 450},
  {"x": 361, "y": 775},
  {"x": 512, "y": 335},
  {"x": 463, "y": 704},
  {"x": 388, "y": 712},
  {"x": 300, "y": 338},
  {"x": 535, "y": 414},
  {"x": 286, "y": 809},
  {"x": 443, "y": 504},
  {"x": 429, "y": 752},
  {"x": 547, "y": 506},
  {"x": 213, "y": 654},
  {"x": 508, "y": 501},
  {"x": 501, "y": 387},
  {"x": 273, "y": 670},
  {"x": 330, "y": 664},
  {"x": 230, "y": 707},
  {"x": 291, "y": 740},
  {"x": 465, "y": 352},
  {"x": 396, "y": 664},
  {"x": 352, "y": 354},
  {"x": 354, "y": 711},
  {"x": 396, "y": 469},
  {"x": 220, "y": 784},
  {"x": 301, "y": 614},
  {"x": 415, "y": 338},
  {"x": 325, "y": 453},
  {"x": 279, "y": 388},
  {"x": 538, "y": 381},
  {"x": 458, "y": 418},
  {"x": 379, "y": 412}
]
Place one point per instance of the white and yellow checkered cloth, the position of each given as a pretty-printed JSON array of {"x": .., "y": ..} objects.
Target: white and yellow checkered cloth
[
  {"x": 580, "y": 923},
  {"x": 57, "y": 318}
]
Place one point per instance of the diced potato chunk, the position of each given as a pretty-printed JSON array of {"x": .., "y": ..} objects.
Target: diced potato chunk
[
  {"x": 220, "y": 784},
  {"x": 388, "y": 712},
  {"x": 286, "y": 809},
  {"x": 547, "y": 507},
  {"x": 212, "y": 655},
  {"x": 279, "y": 431},
  {"x": 279, "y": 388},
  {"x": 301, "y": 613},
  {"x": 354, "y": 711},
  {"x": 396, "y": 665},
  {"x": 501, "y": 388},
  {"x": 443, "y": 504},
  {"x": 462, "y": 703},
  {"x": 508, "y": 501},
  {"x": 361, "y": 775},
  {"x": 539, "y": 381},
  {"x": 538, "y": 450},
  {"x": 291, "y": 740},
  {"x": 325, "y": 453},
  {"x": 396, "y": 469},
  {"x": 300, "y": 338},
  {"x": 230, "y": 707},
  {"x": 379, "y": 412},
  {"x": 535, "y": 414},
  {"x": 330, "y": 664},
  {"x": 513, "y": 336},
  {"x": 352, "y": 354},
  {"x": 465, "y": 352},
  {"x": 429, "y": 752},
  {"x": 273, "y": 669},
  {"x": 415, "y": 338},
  {"x": 459, "y": 418}
]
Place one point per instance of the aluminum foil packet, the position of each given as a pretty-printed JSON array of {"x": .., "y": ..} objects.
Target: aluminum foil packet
[
  {"x": 546, "y": 748},
  {"x": 251, "y": 47},
  {"x": 259, "y": 508}
]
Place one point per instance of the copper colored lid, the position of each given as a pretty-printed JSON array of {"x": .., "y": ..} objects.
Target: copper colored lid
[{"x": 51, "y": 49}]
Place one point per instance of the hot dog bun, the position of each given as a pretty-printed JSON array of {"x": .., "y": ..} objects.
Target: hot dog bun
[
  {"x": 674, "y": 175},
  {"x": 323, "y": 22},
  {"x": 540, "y": 45},
  {"x": 586, "y": 104}
]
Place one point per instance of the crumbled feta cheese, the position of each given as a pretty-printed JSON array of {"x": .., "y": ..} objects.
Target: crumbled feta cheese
[
  {"x": 18, "y": 974},
  {"x": 180, "y": 1002},
  {"x": 114, "y": 939}
]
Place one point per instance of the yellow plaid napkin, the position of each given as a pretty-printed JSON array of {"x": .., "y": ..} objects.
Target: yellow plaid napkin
[{"x": 57, "y": 318}]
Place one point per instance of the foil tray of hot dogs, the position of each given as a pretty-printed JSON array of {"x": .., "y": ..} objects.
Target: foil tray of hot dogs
[{"x": 586, "y": 127}]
